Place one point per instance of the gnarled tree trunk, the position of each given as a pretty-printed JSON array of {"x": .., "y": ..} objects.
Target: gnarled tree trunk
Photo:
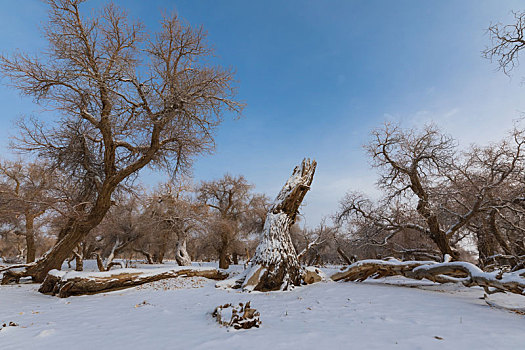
[
  {"x": 275, "y": 265},
  {"x": 69, "y": 238},
  {"x": 224, "y": 260},
  {"x": 181, "y": 254},
  {"x": 446, "y": 272}
]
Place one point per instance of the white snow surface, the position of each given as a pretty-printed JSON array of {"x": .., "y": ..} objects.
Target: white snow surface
[{"x": 391, "y": 313}]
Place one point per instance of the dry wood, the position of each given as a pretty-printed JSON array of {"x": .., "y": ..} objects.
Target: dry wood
[
  {"x": 456, "y": 272},
  {"x": 65, "y": 284},
  {"x": 275, "y": 265}
]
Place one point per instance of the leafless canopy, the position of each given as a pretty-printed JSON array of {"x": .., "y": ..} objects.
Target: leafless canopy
[
  {"x": 434, "y": 191},
  {"x": 127, "y": 99},
  {"x": 507, "y": 42}
]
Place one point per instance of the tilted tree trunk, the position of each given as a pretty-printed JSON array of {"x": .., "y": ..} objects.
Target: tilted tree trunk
[
  {"x": 494, "y": 230},
  {"x": 275, "y": 265},
  {"x": 69, "y": 237},
  {"x": 346, "y": 259}
]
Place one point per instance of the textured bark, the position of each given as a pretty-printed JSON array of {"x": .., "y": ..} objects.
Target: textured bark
[
  {"x": 79, "y": 261},
  {"x": 455, "y": 272},
  {"x": 64, "y": 284},
  {"x": 71, "y": 236},
  {"x": 486, "y": 243},
  {"x": 497, "y": 233},
  {"x": 224, "y": 260},
  {"x": 275, "y": 265},
  {"x": 181, "y": 254},
  {"x": 30, "y": 238}
]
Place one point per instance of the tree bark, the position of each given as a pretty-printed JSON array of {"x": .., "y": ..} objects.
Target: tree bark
[
  {"x": 345, "y": 257},
  {"x": 71, "y": 236},
  {"x": 275, "y": 265},
  {"x": 485, "y": 244},
  {"x": 65, "y": 284},
  {"x": 497, "y": 233},
  {"x": 30, "y": 238},
  {"x": 447, "y": 272},
  {"x": 224, "y": 261},
  {"x": 79, "y": 260}
]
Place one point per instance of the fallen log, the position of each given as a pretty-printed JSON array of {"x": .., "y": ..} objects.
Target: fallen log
[
  {"x": 67, "y": 283},
  {"x": 456, "y": 272}
]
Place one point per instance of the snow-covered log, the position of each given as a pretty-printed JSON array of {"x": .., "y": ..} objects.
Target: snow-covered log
[
  {"x": 363, "y": 269},
  {"x": 275, "y": 265},
  {"x": 456, "y": 272},
  {"x": 68, "y": 283}
]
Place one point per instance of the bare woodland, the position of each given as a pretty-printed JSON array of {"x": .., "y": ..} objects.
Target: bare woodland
[{"x": 126, "y": 99}]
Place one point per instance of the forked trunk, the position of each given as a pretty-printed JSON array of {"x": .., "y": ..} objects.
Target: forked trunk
[
  {"x": 275, "y": 265},
  {"x": 79, "y": 260}
]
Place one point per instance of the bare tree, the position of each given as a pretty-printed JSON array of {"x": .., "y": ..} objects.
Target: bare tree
[
  {"x": 410, "y": 160},
  {"x": 229, "y": 198},
  {"x": 432, "y": 191},
  {"x": 126, "y": 99},
  {"x": 506, "y": 42},
  {"x": 27, "y": 191},
  {"x": 174, "y": 214},
  {"x": 119, "y": 230}
]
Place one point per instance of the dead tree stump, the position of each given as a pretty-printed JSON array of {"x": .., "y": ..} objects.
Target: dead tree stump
[{"x": 275, "y": 265}]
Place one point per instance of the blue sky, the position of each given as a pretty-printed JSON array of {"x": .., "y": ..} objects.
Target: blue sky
[{"x": 317, "y": 76}]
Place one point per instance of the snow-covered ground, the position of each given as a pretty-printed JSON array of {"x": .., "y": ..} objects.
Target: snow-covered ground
[{"x": 176, "y": 314}]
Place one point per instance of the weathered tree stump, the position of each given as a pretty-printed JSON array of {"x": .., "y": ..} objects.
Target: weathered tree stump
[{"x": 275, "y": 265}]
